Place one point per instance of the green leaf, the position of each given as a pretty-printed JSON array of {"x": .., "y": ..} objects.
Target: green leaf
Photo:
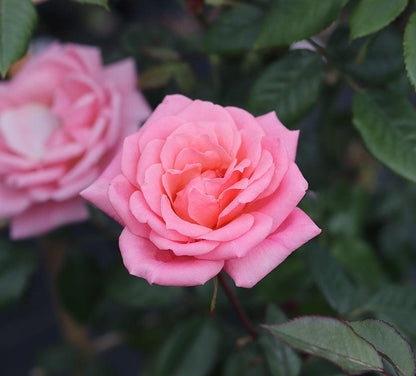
[
  {"x": 103, "y": 3},
  {"x": 16, "y": 268},
  {"x": 396, "y": 304},
  {"x": 317, "y": 366},
  {"x": 331, "y": 279},
  {"x": 281, "y": 360},
  {"x": 409, "y": 44},
  {"x": 234, "y": 31},
  {"x": 330, "y": 339},
  {"x": 17, "y": 23},
  {"x": 79, "y": 283},
  {"x": 192, "y": 349},
  {"x": 369, "y": 16},
  {"x": 387, "y": 124},
  {"x": 389, "y": 342},
  {"x": 291, "y": 20},
  {"x": 136, "y": 292},
  {"x": 290, "y": 86},
  {"x": 359, "y": 259},
  {"x": 58, "y": 360},
  {"x": 245, "y": 362}
]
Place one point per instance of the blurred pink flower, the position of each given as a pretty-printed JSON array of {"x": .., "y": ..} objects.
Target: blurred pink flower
[
  {"x": 62, "y": 118},
  {"x": 200, "y": 188}
]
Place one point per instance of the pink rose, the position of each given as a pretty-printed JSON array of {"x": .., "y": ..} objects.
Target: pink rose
[
  {"x": 200, "y": 188},
  {"x": 62, "y": 118}
]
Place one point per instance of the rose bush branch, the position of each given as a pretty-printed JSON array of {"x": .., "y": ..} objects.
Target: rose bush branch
[{"x": 237, "y": 306}]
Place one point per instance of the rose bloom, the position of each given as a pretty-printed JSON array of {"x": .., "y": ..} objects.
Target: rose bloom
[
  {"x": 201, "y": 188},
  {"x": 62, "y": 118}
]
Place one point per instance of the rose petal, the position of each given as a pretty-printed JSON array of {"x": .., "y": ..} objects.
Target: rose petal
[
  {"x": 232, "y": 230},
  {"x": 240, "y": 246},
  {"x": 143, "y": 259},
  {"x": 282, "y": 202},
  {"x": 192, "y": 248},
  {"x": 296, "y": 230},
  {"x": 143, "y": 214},
  {"x": 97, "y": 192},
  {"x": 42, "y": 218},
  {"x": 12, "y": 200},
  {"x": 274, "y": 128}
]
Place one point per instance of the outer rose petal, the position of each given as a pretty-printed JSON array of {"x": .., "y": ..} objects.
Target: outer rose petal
[
  {"x": 12, "y": 201},
  {"x": 273, "y": 127},
  {"x": 296, "y": 230},
  {"x": 143, "y": 259},
  {"x": 170, "y": 106},
  {"x": 97, "y": 192},
  {"x": 42, "y": 218}
]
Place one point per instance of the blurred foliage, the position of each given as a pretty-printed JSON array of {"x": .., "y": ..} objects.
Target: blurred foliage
[{"x": 340, "y": 71}]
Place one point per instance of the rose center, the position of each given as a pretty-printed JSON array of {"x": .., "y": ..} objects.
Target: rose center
[{"x": 26, "y": 129}]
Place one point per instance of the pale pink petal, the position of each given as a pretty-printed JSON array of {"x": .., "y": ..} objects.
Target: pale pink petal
[
  {"x": 203, "y": 208},
  {"x": 88, "y": 56},
  {"x": 97, "y": 192},
  {"x": 122, "y": 74},
  {"x": 27, "y": 129},
  {"x": 119, "y": 194},
  {"x": 296, "y": 230},
  {"x": 232, "y": 230},
  {"x": 63, "y": 153},
  {"x": 141, "y": 211},
  {"x": 274, "y": 128},
  {"x": 13, "y": 201},
  {"x": 36, "y": 177},
  {"x": 42, "y": 218},
  {"x": 73, "y": 188},
  {"x": 282, "y": 202},
  {"x": 86, "y": 163},
  {"x": 143, "y": 259},
  {"x": 239, "y": 247},
  {"x": 191, "y": 248},
  {"x": 10, "y": 162}
]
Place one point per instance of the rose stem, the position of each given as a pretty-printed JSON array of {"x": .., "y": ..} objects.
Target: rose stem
[
  {"x": 74, "y": 333},
  {"x": 237, "y": 306}
]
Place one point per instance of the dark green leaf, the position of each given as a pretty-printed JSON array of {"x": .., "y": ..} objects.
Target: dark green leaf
[
  {"x": 396, "y": 304},
  {"x": 331, "y": 279},
  {"x": 281, "y": 360},
  {"x": 59, "y": 360},
  {"x": 17, "y": 23},
  {"x": 389, "y": 342},
  {"x": 245, "y": 362},
  {"x": 290, "y": 86},
  {"x": 136, "y": 292},
  {"x": 359, "y": 259},
  {"x": 192, "y": 349},
  {"x": 387, "y": 124},
  {"x": 330, "y": 339},
  {"x": 316, "y": 366},
  {"x": 291, "y": 20},
  {"x": 79, "y": 283},
  {"x": 16, "y": 268},
  {"x": 369, "y": 16},
  {"x": 234, "y": 31},
  {"x": 409, "y": 43},
  {"x": 103, "y": 3}
]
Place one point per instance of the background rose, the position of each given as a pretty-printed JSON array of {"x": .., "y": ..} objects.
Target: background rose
[
  {"x": 62, "y": 118},
  {"x": 201, "y": 188}
]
